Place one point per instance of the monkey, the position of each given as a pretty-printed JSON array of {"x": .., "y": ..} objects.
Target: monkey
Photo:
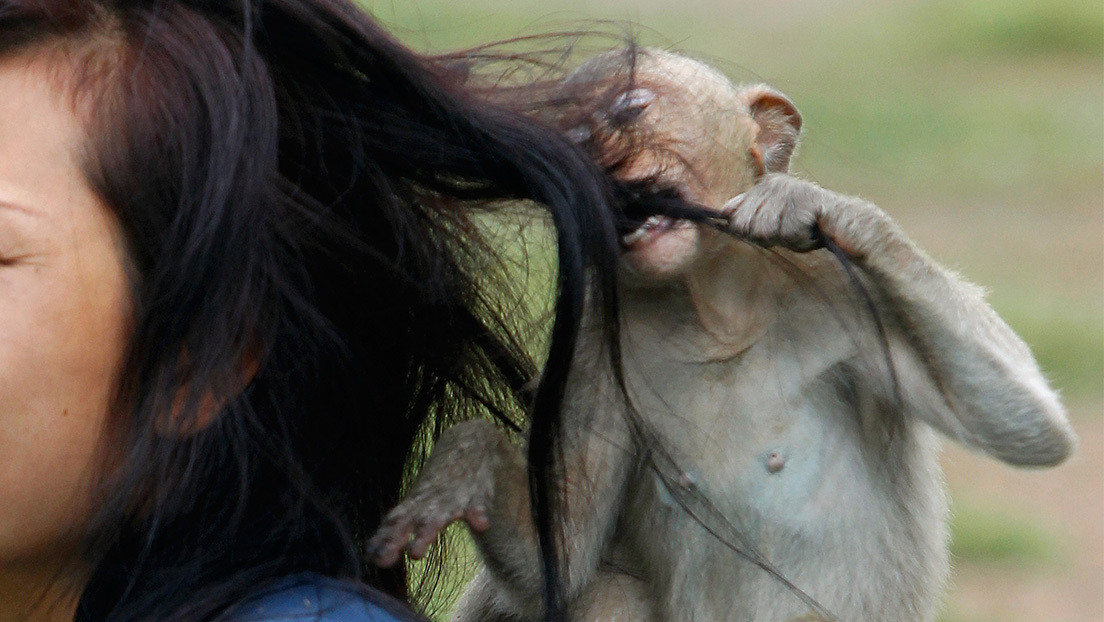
[{"x": 807, "y": 421}]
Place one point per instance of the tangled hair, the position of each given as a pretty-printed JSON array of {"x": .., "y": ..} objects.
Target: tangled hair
[{"x": 295, "y": 191}]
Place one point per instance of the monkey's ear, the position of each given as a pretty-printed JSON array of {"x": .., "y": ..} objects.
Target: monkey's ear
[{"x": 779, "y": 125}]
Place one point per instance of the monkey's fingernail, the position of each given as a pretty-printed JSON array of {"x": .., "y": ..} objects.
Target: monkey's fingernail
[{"x": 733, "y": 204}]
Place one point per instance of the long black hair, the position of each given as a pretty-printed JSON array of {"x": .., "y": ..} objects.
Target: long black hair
[{"x": 296, "y": 190}]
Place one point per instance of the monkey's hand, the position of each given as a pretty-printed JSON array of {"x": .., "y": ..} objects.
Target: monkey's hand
[
  {"x": 456, "y": 483},
  {"x": 792, "y": 213}
]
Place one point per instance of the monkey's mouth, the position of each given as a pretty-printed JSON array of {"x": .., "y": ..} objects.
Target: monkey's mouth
[
  {"x": 653, "y": 227},
  {"x": 642, "y": 219}
]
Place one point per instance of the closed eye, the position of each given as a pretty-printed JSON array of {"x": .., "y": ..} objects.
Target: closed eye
[{"x": 628, "y": 106}]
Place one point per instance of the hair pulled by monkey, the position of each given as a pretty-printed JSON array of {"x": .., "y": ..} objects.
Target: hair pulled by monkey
[
  {"x": 295, "y": 190},
  {"x": 584, "y": 84}
]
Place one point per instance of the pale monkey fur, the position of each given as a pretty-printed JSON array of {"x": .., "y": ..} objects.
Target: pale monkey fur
[{"x": 764, "y": 375}]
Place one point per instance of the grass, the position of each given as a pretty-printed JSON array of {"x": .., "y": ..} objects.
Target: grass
[
  {"x": 980, "y": 536},
  {"x": 1018, "y": 29},
  {"x": 1001, "y": 543},
  {"x": 1066, "y": 342}
]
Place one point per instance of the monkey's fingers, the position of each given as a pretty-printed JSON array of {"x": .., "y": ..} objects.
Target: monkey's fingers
[
  {"x": 427, "y": 531},
  {"x": 769, "y": 221},
  {"x": 386, "y": 546},
  {"x": 477, "y": 518},
  {"x": 742, "y": 212},
  {"x": 731, "y": 206}
]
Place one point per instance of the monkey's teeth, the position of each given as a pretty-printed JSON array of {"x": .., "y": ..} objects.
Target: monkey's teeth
[
  {"x": 632, "y": 238},
  {"x": 654, "y": 225}
]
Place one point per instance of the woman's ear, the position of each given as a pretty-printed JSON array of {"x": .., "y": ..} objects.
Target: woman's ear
[
  {"x": 208, "y": 404},
  {"x": 779, "y": 125}
]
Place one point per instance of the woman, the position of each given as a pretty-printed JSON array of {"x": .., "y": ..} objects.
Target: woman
[{"x": 238, "y": 284}]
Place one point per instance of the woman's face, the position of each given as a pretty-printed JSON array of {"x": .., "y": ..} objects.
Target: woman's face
[{"x": 64, "y": 308}]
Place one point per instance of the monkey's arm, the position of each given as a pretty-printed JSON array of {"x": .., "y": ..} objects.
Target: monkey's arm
[
  {"x": 476, "y": 474},
  {"x": 959, "y": 366},
  {"x": 597, "y": 460},
  {"x": 470, "y": 475}
]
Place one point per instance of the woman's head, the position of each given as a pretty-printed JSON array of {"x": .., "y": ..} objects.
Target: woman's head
[
  {"x": 281, "y": 185},
  {"x": 168, "y": 131}
]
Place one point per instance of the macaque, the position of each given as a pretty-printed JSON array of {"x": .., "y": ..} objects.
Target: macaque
[{"x": 807, "y": 418}]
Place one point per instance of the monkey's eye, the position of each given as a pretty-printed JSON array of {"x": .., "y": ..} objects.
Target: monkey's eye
[
  {"x": 628, "y": 106},
  {"x": 580, "y": 134}
]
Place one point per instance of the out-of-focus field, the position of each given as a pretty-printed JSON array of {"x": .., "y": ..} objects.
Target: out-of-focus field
[{"x": 977, "y": 124}]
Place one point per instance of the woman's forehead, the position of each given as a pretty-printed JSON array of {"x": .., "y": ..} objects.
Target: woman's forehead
[{"x": 40, "y": 137}]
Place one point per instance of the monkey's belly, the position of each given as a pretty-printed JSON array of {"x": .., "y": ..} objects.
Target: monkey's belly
[{"x": 859, "y": 531}]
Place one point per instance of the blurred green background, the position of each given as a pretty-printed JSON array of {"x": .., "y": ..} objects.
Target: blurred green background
[{"x": 979, "y": 126}]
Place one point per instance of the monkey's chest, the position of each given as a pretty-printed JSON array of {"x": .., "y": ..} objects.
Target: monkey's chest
[
  {"x": 773, "y": 443},
  {"x": 781, "y": 467}
]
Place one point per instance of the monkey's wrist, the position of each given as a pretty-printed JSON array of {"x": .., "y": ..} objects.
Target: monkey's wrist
[{"x": 861, "y": 230}]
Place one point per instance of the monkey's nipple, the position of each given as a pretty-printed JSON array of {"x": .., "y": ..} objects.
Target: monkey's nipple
[{"x": 774, "y": 462}]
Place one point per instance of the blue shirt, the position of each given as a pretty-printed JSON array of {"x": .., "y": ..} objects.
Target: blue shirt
[{"x": 310, "y": 597}]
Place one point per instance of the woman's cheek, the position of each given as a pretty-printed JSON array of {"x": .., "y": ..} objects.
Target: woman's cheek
[{"x": 62, "y": 337}]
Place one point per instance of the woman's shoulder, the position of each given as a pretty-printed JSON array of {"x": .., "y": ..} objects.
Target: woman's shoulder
[{"x": 311, "y": 597}]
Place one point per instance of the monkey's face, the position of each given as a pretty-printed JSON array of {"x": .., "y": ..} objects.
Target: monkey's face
[{"x": 685, "y": 127}]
